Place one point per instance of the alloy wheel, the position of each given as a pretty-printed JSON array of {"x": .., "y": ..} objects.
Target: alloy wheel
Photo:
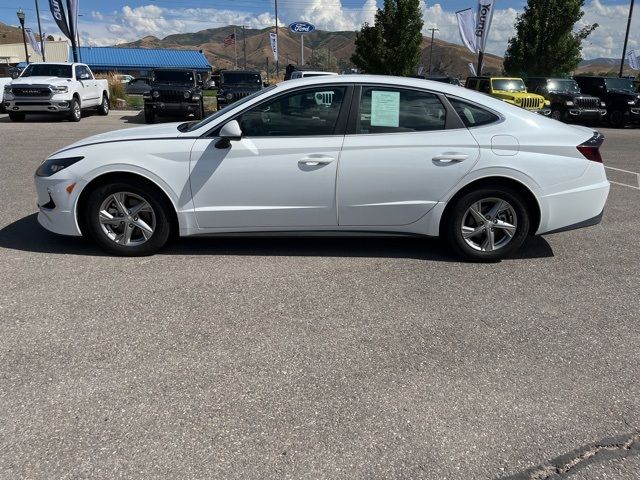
[
  {"x": 127, "y": 219},
  {"x": 489, "y": 224}
]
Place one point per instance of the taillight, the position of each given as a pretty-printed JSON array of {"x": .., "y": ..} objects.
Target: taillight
[{"x": 591, "y": 148}]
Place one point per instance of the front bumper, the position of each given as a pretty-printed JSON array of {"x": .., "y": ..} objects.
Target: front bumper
[
  {"x": 56, "y": 204},
  {"x": 543, "y": 111},
  {"x": 37, "y": 106},
  {"x": 577, "y": 113},
  {"x": 172, "y": 107}
]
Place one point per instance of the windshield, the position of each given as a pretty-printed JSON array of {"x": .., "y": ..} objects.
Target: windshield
[
  {"x": 173, "y": 76},
  {"x": 569, "y": 86},
  {"x": 224, "y": 110},
  {"x": 47, "y": 70},
  {"x": 619, "y": 84},
  {"x": 235, "y": 78},
  {"x": 513, "y": 85}
]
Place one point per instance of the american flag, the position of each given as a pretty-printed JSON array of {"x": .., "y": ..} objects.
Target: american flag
[{"x": 229, "y": 40}]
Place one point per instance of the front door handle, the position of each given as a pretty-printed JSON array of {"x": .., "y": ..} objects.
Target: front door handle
[
  {"x": 450, "y": 157},
  {"x": 315, "y": 160}
]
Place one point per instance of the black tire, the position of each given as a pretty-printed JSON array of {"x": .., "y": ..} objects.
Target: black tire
[
  {"x": 160, "y": 207},
  {"x": 3, "y": 109},
  {"x": 149, "y": 115},
  {"x": 457, "y": 213},
  {"x": 199, "y": 114},
  {"x": 557, "y": 114},
  {"x": 16, "y": 117},
  {"x": 103, "y": 108},
  {"x": 616, "y": 119},
  {"x": 75, "y": 110}
]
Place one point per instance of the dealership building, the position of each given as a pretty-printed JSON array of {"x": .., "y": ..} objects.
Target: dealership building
[{"x": 139, "y": 62}]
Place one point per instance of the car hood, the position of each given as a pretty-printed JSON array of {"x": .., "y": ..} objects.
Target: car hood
[
  {"x": 165, "y": 130},
  {"x": 40, "y": 81}
]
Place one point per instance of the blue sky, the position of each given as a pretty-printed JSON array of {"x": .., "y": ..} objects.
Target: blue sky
[{"x": 116, "y": 21}]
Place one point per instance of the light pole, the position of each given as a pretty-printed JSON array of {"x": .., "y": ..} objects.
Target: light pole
[
  {"x": 44, "y": 59},
  {"x": 24, "y": 36},
  {"x": 277, "y": 56},
  {"x": 433, "y": 32},
  {"x": 626, "y": 38}
]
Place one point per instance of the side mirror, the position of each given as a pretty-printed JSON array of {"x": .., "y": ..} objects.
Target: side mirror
[{"x": 230, "y": 131}]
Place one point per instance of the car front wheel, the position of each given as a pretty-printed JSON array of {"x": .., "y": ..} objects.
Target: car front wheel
[
  {"x": 127, "y": 218},
  {"x": 75, "y": 111},
  {"x": 487, "y": 224}
]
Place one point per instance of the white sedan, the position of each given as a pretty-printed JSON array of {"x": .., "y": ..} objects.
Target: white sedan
[{"x": 354, "y": 155}]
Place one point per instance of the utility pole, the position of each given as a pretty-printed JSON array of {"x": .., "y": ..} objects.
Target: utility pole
[
  {"x": 433, "y": 32},
  {"x": 626, "y": 39},
  {"x": 44, "y": 59},
  {"x": 268, "y": 81},
  {"x": 24, "y": 36},
  {"x": 235, "y": 47},
  {"x": 244, "y": 47},
  {"x": 277, "y": 57}
]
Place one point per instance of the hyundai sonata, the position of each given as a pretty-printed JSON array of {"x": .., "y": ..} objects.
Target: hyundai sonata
[{"x": 355, "y": 155}]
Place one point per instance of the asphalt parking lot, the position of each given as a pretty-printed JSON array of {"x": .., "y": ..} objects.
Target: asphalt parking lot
[{"x": 315, "y": 358}]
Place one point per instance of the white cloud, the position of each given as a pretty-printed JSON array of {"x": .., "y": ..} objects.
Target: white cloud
[{"x": 132, "y": 23}]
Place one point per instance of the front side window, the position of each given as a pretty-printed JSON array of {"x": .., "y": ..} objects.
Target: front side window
[
  {"x": 390, "y": 110},
  {"x": 306, "y": 113},
  {"x": 472, "y": 115},
  {"x": 484, "y": 87}
]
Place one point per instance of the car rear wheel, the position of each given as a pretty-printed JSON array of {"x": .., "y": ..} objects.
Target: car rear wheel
[
  {"x": 103, "y": 108},
  {"x": 127, "y": 218},
  {"x": 75, "y": 112},
  {"x": 487, "y": 224},
  {"x": 16, "y": 117}
]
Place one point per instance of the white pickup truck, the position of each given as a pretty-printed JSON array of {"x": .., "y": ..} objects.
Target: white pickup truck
[{"x": 66, "y": 88}]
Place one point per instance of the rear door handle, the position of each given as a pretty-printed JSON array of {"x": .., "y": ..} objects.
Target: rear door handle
[
  {"x": 450, "y": 157},
  {"x": 314, "y": 160}
]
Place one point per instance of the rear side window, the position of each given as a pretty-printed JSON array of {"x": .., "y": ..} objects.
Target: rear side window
[
  {"x": 392, "y": 110},
  {"x": 472, "y": 115}
]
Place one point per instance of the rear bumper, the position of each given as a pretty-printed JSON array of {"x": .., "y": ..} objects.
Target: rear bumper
[
  {"x": 590, "y": 222},
  {"x": 579, "y": 205}
]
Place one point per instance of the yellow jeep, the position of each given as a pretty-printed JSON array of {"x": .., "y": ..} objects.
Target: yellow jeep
[{"x": 510, "y": 90}]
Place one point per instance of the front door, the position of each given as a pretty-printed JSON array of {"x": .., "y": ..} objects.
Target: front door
[
  {"x": 402, "y": 159},
  {"x": 282, "y": 173}
]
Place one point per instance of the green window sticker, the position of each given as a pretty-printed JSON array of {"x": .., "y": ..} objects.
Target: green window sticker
[{"x": 385, "y": 109}]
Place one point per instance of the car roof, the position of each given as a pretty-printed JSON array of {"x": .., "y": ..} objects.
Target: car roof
[{"x": 239, "y": 71}]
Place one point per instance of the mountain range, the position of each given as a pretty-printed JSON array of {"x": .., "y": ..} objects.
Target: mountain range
[{"x": 322, "y": 49}]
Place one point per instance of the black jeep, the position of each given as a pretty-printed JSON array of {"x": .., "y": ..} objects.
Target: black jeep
[
  {"x": 236, "y": 84},
  {"x": 567, "y": 102},
  {"x": 174, "y": 92},
  {"x": 623, "y": 103}
]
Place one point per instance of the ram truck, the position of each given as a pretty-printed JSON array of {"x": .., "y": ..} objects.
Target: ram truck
[{"x": 56, "y": 88}]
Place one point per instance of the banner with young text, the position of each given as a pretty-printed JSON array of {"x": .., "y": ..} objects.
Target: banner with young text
[
  {"x": 484, "y": 16},
  {"x": 634, "y": 59},
  {"x": 59, "y": 15}
]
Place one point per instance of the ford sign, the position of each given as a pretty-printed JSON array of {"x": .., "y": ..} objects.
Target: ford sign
[{"x": 301, "y": 27}]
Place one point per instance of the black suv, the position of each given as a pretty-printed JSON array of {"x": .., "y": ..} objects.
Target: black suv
[
  {"x": 567, "y": 103},
  {"x": 236, "y": 84},
  {"x": 174, "y": 92},
  {"x": 623, "y": 103}
]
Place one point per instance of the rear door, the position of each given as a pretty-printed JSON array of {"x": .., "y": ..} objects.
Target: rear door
[{"x": 408, "y": 149}]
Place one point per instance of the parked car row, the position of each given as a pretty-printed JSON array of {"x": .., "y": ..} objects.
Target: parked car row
[{"x": 584, "y": 99}]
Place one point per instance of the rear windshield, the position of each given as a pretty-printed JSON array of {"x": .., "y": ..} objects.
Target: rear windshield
[
  {"x": 173, "y": 76},
  {"x": 47, "y": 70},
  {"x": 237, "y": 78},
  {"x": 515, "y": 85}
]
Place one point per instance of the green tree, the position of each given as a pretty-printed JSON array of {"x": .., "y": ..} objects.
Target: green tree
[
  {"x": 546, "y": 43},
  {"x": 323, "y": 59},
  {"x": 391, "y": 46}
]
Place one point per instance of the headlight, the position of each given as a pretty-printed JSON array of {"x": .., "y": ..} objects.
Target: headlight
[
  {"x": 603, "y": 105},
  {"x": 569, "y": 103},
  {"x": 61, "y": 89},
  {"x": 229, "y": 96},
  {"x": 186, "y": 94},
  {"x": 156, "y": 94},
  {"x": 54, "y": 165}
]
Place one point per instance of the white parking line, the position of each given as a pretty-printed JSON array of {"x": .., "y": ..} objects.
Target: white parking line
[{"x": 625, "y": 184}]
